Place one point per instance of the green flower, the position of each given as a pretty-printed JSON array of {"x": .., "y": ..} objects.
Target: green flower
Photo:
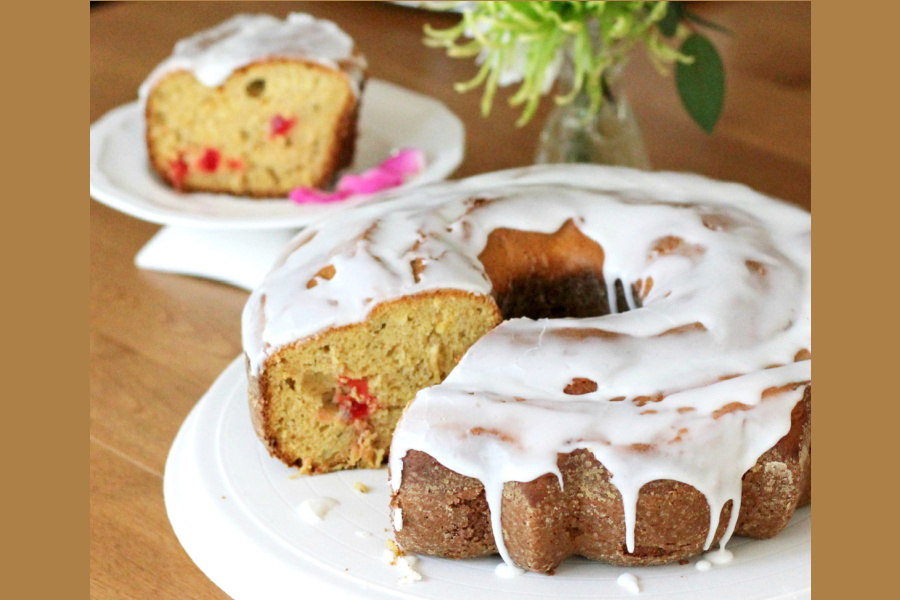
[{"x": 524, "y": 43}]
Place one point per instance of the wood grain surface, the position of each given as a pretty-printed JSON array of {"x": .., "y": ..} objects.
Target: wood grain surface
[{"x": 157, "y": 341}]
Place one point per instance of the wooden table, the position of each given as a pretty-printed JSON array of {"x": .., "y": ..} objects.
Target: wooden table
[{"x": 157, "y": 341}]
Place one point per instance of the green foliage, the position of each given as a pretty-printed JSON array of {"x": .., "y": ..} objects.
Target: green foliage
[
  {"x": 668, "y": 25},
  {"x": 525, "y": 41},
  {"x": 701, "y": 82}
]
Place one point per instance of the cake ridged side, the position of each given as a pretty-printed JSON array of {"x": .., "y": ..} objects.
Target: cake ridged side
[{"x": 446, "y": 514}]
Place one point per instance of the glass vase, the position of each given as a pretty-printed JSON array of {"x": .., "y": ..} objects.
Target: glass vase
[{"x": 612, "y": 136}]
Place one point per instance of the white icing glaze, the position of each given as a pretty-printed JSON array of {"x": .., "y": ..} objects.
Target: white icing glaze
[
  {"x": 719, "y": 557},
  {"x": 703, "y": 565},
  {"x": 507, "y": 571},
  {"x": 314, "y": 510},
  {"x": 629, "y": 582},
  {"x": 408, "y": 573},
  {"x": 751, "y": 322},
  {"x": 388, "y": 557},
  {"x": 214, "y": 54}
]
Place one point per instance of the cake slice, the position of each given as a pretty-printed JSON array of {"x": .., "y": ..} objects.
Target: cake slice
[
  {"x": 331, "y": 401},
  {"x": 255, "y": 106}
]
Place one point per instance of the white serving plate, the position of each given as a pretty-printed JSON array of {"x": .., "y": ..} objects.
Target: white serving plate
[
  {"x": 391, "y": 118},
  {"x": 235, "y": 511}
]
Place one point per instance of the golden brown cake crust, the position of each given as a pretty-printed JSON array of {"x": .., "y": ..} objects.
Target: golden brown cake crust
[{"x": 445, "y": 514}]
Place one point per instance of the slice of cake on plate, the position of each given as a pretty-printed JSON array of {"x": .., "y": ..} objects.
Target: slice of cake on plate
[{"x": 255, "y": 106}]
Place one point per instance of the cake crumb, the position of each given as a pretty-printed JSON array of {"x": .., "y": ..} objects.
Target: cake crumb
[
  {"x": 361, "y": 487},
  {"x": 410, "y": 575},
  {"x": 395, "y": 556},
  {"x": 393, "y": 551}
]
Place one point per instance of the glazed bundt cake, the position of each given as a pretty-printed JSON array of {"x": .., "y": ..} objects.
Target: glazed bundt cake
[
  {"x": 256, "y": 106},
  {"x": 647, "y": 393}
]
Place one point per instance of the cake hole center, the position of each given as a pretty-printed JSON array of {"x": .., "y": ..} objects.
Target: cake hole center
[{"x": 552, "y": 275}]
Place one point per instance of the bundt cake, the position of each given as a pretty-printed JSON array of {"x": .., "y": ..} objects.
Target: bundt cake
[
  {"x": 635, "y": 372},
  {"x": 256, "y": 106}
]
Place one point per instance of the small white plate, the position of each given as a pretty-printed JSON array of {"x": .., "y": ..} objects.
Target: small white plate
[
  {"x": 235, "y": 511},
  {"x": 391, "y": 118}
]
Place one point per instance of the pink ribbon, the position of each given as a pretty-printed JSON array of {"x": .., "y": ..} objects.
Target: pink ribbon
[{"x": 389, "y": 174}]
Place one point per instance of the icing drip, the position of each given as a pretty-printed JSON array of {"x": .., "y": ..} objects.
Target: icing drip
[
  {"x": 493, "y": 492},
  {"x": 629, "y": 297},
  {"x": 214, "y": 54},
  {"x": 687, "y": 371},
  {"x": 507, "y": 571},
  {"x": 611, "y": 293},
  {"x": 719, "y": 557}
]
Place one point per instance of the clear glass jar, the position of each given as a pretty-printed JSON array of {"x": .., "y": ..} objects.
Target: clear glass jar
[{"x": 612, "y": 136}]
